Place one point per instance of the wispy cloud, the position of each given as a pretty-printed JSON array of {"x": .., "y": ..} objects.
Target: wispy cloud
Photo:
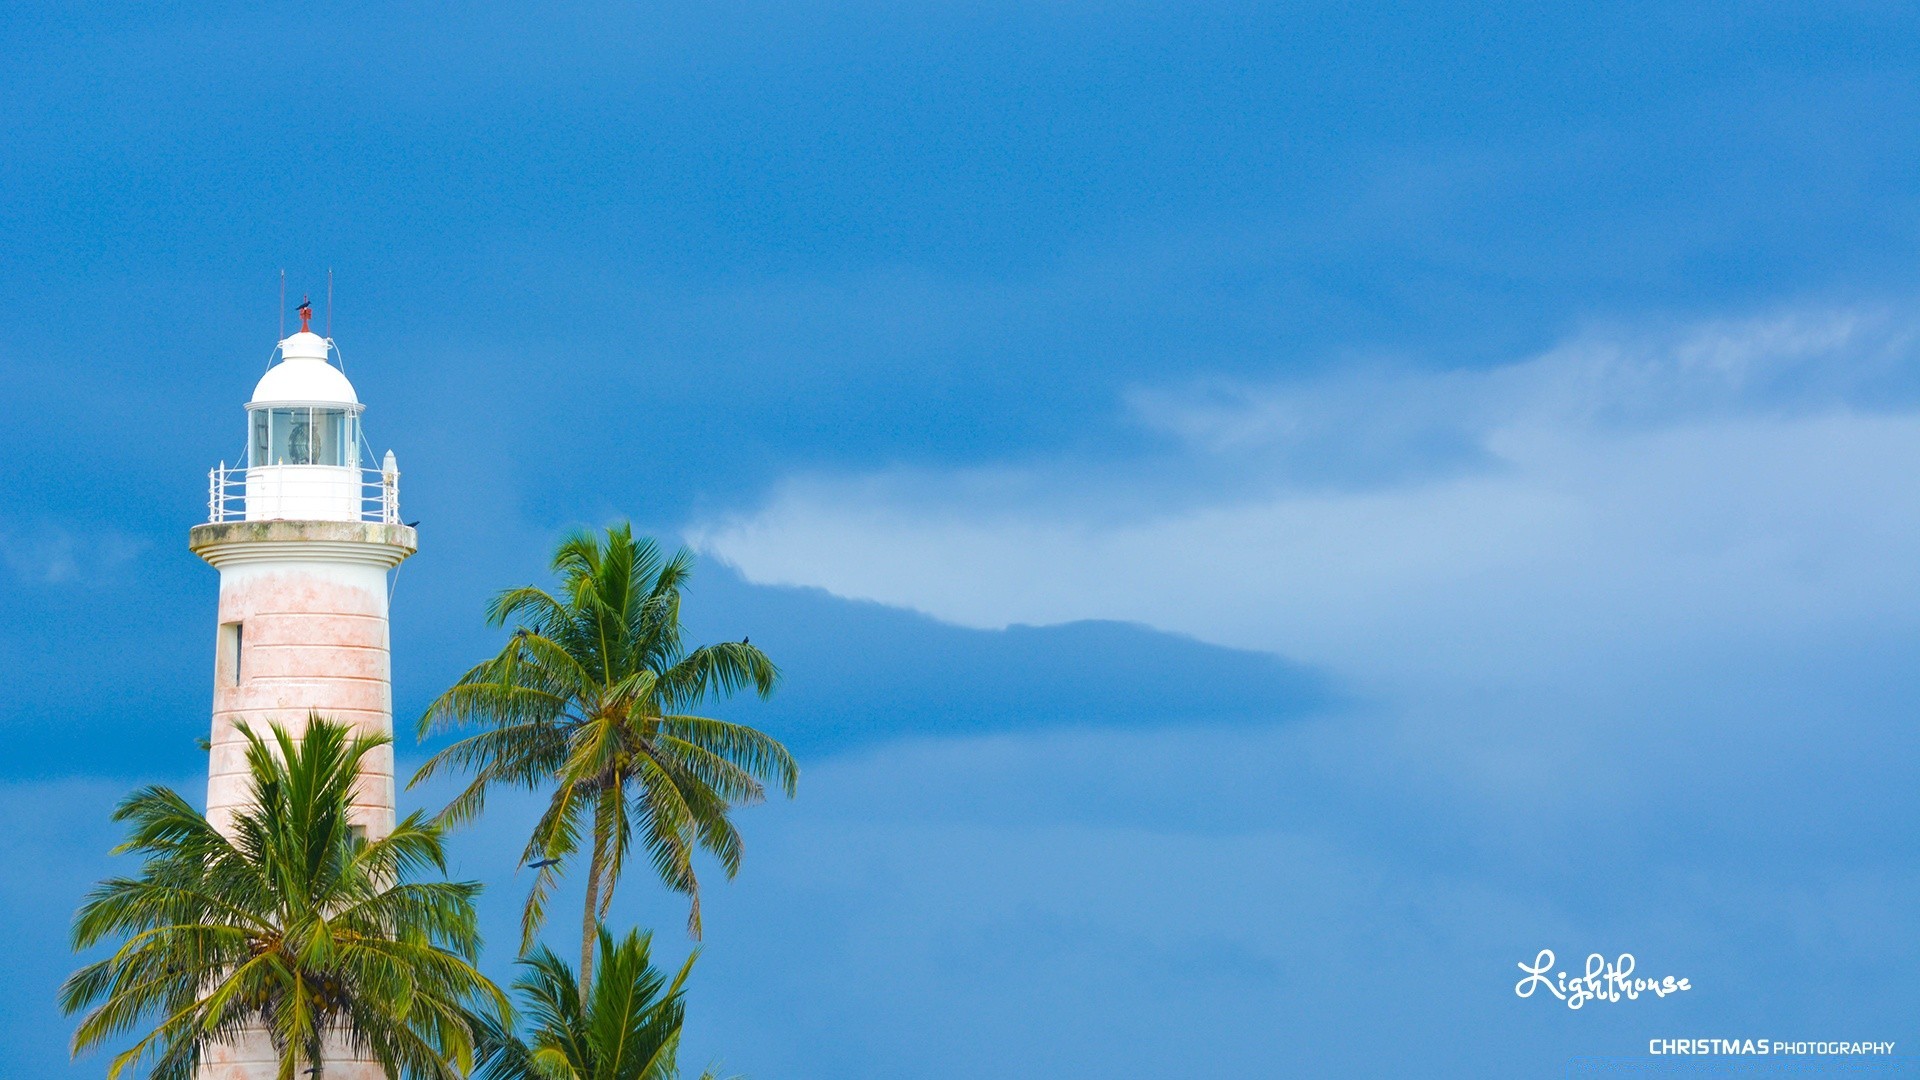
[
  {"x": 1797, "y": 361},
  {"x": 46, "y": 555}
]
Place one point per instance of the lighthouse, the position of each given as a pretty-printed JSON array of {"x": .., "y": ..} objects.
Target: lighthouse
[{"x": 304, "y": 533}]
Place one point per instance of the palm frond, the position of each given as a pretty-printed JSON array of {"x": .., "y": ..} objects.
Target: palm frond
[
  {"x": 626, "y": 1027},
  {"x": 292, "y": 924},
  {"x": 590, "y": 697}
]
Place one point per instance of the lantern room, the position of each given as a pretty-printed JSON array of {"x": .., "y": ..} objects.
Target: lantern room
[
  {"x": 303, "y": 459},
  {"x": 304, "y": 411}
]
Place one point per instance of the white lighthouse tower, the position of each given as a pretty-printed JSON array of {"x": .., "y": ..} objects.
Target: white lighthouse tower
[{"x": 304, "y": 535}]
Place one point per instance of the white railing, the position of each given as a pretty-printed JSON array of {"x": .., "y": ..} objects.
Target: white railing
[{"x": 322, "y": 492}]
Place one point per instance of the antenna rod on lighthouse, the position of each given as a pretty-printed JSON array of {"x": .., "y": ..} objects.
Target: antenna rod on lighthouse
[
  {"x": 329, "y": 303},
  {"x": 283, "y": 303}
]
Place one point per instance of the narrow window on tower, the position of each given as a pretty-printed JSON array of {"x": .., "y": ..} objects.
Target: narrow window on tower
[{"x": 230, "y": 653}]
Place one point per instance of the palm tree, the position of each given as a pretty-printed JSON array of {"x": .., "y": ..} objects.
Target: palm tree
[
  {"x": 296, "y": 924},
  {"x": 592, "y": 696},
  {"x": 626, "y": 1028}
]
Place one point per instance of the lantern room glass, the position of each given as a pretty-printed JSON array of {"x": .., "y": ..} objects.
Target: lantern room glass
[{"x": 303, "y": 435}]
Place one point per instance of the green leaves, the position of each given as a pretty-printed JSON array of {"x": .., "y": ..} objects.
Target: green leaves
[
  {"x": 292, "y": 924},
  {"x": 589, "y": 699},
  {"x": 627, "y": 1026}
]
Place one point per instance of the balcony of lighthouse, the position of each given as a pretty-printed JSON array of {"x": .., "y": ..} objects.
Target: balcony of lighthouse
[{"x": 304, "y": 466}]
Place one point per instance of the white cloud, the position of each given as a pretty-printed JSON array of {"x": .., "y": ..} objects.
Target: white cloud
[
  {"x": 47, "y": 555},
  {"x": 1623, "y": 499}
]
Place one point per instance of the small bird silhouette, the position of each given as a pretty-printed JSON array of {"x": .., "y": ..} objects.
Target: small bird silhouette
[
  {"x": 743, "y": 641},
  {"x": 411, "y": 524},
  {"x": 543, "y": 863}
]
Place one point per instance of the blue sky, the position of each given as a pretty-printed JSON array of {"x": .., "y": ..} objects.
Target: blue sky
[{"x": 1271, "y": 514}]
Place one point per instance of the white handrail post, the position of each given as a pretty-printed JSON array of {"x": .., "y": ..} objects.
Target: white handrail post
[
  {"x": 389, "y": 490},
  {"x": 213, "y": 492}
]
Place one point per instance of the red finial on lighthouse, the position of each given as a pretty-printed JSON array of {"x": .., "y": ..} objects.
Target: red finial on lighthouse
[{"x": 306, "y": 313}]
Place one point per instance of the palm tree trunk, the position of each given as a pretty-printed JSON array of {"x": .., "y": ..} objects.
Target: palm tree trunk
[{"x": 590, "y": 921}]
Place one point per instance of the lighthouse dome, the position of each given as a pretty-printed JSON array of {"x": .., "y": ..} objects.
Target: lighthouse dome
[{"x": 304, "y": 376}]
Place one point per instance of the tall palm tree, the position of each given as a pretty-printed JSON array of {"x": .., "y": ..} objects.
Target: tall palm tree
[
  {"x": 592, "y": 696},
  {"x": 296, "y": 924},
  {"x": 627, "y": 1027}
]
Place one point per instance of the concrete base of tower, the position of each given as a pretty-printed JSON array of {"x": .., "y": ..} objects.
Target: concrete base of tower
[
  {"x": 252, "y": 1057},
  {"x": 303, "y": 632}
]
